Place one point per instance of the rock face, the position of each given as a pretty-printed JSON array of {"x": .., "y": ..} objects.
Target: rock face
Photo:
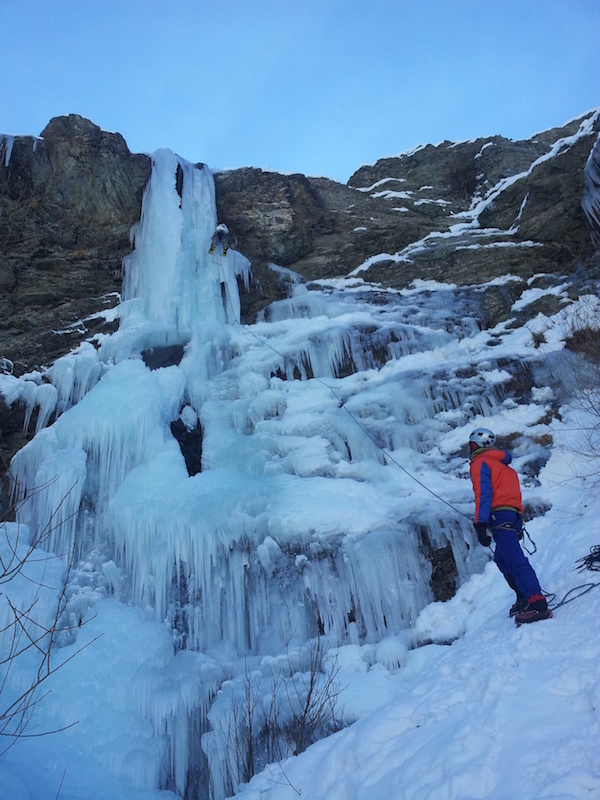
[
  {"x": 456, "y": 212},
  {"x": 519, "y": 205},
  {"x": 67, "y": 203}
]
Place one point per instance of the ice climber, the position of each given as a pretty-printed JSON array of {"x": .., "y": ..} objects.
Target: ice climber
[
  {"x": 499, "y": 507},
  {"x": 220, "y": 236}
]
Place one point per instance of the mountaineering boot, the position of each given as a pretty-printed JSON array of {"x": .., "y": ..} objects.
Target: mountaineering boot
[
  {"x": 536, "y": 609},
  {"x": 519, "y": 606},
  {"x": 211, "y": 251},
  {"x": 521, "y": 602},
  {"x": 225, "y": 249}
]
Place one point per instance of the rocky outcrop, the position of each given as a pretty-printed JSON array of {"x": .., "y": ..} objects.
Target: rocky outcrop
[
  {"x": 275, "y": 217},
  {"x": 67, "y": 203},
  {"x": 529, "y": 223},
  {"x": 313, "y": 226}
]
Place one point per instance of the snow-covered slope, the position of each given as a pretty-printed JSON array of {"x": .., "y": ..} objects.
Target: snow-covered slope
[{"x": 502, "y": 712}]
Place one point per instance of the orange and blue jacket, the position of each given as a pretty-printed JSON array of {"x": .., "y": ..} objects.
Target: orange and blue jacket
[{"x": 496, "y": 485}]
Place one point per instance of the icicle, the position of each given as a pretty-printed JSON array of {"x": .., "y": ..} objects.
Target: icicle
[
  {"x": 75, "y": 374},
  {"x": 46, "y": 398},
  {"x": 171, "y": 269},
  {"x": 7, "y": 142},
  {"x": 55, "y": 497},
  {"x": 591, "y": 196},
  {"x": 28, "y": 398}
]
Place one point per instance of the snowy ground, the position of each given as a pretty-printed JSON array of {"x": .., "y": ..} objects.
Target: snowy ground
[{"x": 501, "y": 713}]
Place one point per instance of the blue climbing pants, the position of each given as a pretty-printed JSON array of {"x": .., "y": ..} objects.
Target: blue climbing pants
[{"x": 509, "y": 557}]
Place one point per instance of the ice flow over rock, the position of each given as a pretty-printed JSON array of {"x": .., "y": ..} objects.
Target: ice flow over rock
[{"x": 297, "y": 524}]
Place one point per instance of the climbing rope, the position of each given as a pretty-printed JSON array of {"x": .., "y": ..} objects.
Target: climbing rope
[
  {"x": 586, "y": 587},
  {"x": 590, "y": 562},
  {"x": 524, "y": 546}
]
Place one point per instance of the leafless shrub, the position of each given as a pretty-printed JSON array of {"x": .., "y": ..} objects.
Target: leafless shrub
[
  {"x": 23, "y": 633},
  {"x": 582, "y": 378},
  {"x": 298, "y": 708},
  {"x": 312, "y": 697},
  {"x": 242, "y": 733}
]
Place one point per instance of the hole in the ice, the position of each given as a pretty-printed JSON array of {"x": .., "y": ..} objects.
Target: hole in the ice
[{"x": 168, "y": 356}]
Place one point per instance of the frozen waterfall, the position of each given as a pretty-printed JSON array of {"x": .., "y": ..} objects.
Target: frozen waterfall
[
  {"x": 591, "y": 197},
  {"x": 297, "y": 525}
]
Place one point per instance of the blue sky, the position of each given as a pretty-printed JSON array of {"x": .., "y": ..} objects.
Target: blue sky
[{"x": 313, "y": 86}]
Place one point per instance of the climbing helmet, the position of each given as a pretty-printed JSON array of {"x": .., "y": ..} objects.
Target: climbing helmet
[{"x": 482, "y": 437}]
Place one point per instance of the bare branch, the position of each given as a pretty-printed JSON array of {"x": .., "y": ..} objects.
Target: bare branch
[{"x": 25, "y": 630}]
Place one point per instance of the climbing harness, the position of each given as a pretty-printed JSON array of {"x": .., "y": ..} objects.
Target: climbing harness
[{"x": 523, "y": 536}]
